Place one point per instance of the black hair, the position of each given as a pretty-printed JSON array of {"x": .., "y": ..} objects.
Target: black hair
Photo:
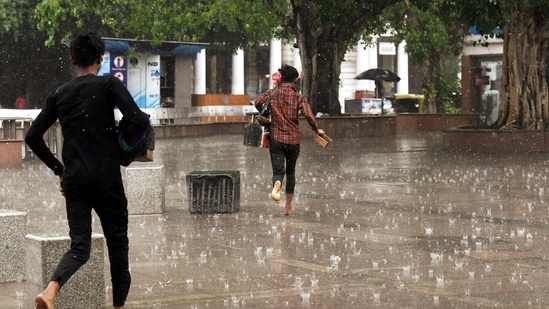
[
  {"x": 289, "y": 73},
  {"x": 86, "y": 49}
]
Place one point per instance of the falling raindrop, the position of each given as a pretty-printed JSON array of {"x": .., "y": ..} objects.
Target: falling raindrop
[{"x": 377, "y": 297}]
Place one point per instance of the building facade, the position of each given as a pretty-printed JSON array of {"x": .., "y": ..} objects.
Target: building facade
[
  {"x": 481, "y": 69},
  {"x": 250, "y": 71},
  {"x": 178, "y": 71},
  {"x": 156, "y": 74}
]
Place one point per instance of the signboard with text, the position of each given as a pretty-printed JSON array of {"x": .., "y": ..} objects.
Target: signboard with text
[
  {"x": 119, "y": 67},
  {"x": 153, "y": 81}
]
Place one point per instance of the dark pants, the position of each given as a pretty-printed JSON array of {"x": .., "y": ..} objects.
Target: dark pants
[
  {"x": 111, "y": 207},
  {"x": 283, "y": 160}
]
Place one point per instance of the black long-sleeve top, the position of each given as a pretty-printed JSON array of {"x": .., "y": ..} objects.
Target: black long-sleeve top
[{"x": 85, "y": 109}]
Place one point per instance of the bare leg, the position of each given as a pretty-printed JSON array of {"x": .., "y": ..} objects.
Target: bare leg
[
  {"x": 46, "y": 299},
  {"x": 289, "y": 208},
  {"x": 275, "y": 194}
]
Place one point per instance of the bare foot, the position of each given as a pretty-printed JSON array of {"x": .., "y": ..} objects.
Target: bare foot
[
  {"x": 41, "y": 302},
  {"x": 288, "y": 209},
  {"x": 46, "y": 299},
  {"x": 275, "y": 194}
]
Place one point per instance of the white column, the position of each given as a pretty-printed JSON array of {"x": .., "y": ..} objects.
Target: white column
[
  {"x": 200, "y": 73},
  {"x": 297, "y": 59},
  {"x": 237, "y": 86},
  {"x": 275, "y": 58},
  {"x": 361, "y": 64},
  {"x": 366, "y": 58},
  {"x": 402, "y": 69}
]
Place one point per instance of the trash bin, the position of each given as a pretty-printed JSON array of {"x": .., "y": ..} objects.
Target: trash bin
[
  {"x": 408, "y": 103},
  {"x": 353, "y": 106},
  {"x": 213, "y": 191},
  {"x": 168, "y": 102}
]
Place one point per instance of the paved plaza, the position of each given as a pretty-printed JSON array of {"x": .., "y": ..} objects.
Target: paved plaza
[{"x": 380, "y": 222}]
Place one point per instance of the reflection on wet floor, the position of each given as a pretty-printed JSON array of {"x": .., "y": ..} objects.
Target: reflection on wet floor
[{"x": 391, "y": 222}]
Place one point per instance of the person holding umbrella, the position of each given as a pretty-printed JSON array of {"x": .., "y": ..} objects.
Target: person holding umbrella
[
  {"x": 379, "y": 76},
  {"x": 380, "y": 90}
]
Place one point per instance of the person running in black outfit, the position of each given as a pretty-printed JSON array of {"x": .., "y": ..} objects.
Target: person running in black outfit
[{"x": 90, "y": 177}]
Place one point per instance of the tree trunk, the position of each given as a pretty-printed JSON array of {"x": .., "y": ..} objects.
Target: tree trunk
[
  {"x": 434, "y": 84},
  {"x": 321, "y": 59},
  {"x": 307, "y": 49},
  {"x": 328, "y": 64},
  {"x": 323, "y": 40},
  {"x": 524, "y": 95}
]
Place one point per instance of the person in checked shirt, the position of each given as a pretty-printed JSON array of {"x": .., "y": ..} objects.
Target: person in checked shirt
[{"x": 284, "y": 147}]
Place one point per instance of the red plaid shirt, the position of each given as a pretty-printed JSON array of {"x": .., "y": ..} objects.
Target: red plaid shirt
[{"x": 286, "y": 103}]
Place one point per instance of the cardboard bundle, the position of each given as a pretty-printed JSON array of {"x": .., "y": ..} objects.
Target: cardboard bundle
[
  {"x": 146, "y": 156},
  {"x": 322, "y": 139}
]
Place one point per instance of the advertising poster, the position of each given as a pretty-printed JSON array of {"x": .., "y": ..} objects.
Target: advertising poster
[
  {"x": 136, "y": 80},
  {"x": 119, "y": 67},
  {"x": 140, "y": 74},
  {"x": 371, "y": 106},
  {"x": 153, "y": 81},
  {"x": 106, "y": 65}
]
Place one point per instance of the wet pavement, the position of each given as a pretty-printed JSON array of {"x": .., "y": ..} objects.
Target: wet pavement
[{"x": 384, "y": 222}]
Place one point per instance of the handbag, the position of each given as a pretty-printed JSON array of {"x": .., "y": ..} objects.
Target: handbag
[
  {"x": 134, "y": 144},
  {"x": 253, "y": 134},
  {"x": 266, "y": 138},
  {"x": 256, "y": 135},
  {"x": 264, "y": 117}
]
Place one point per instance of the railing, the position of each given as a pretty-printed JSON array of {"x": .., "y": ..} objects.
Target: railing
[
  {"x": 197, "y": 114},
  {"x": 15, "y": 122},
  {"x": 159, "y": 116}
]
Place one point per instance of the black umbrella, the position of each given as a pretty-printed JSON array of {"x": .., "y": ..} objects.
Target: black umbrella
[{"x": 379, "y": 74}]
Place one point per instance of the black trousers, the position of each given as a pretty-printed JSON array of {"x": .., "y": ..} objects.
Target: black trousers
[
  {"x": 111, "y": 207},
  {"x": 283, "y": 160}
]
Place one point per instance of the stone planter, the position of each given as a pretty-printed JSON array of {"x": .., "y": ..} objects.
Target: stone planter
[
  {"x": 220, "y": 99},
  {"x": 480, "y": 140}
]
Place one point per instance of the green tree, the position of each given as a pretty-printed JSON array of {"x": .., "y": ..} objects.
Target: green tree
[
  {"x": 525, "y": 25},
  {"x": 433, "y": 31},
  {"x": 27, "y": 67},
  {"x": 324, "y": 30},
  {"x": 11, "y": 15}
]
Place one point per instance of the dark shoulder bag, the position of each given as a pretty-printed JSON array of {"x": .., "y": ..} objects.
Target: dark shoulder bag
[
  {"x": 264, "y": 117},
  {"x": 134, "y": 144}
]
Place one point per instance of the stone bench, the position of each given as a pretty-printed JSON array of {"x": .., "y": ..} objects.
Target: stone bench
[
  {"x": 144, "y": 186},
  {"x": 86, "y": 289},
  {"x": 213, "y": 191},
  {"x": 13, "y": 227}
]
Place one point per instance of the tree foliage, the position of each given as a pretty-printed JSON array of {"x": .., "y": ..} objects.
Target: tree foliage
[
  {"x": 324, "y": 30},
  {"x": 26, "y": 66},
  {"x": 525, "y": 25},
  {"x": 11, "y": 16},
  {"x": 433, "y": 32},
  {"x": 229, "y": 23}
]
